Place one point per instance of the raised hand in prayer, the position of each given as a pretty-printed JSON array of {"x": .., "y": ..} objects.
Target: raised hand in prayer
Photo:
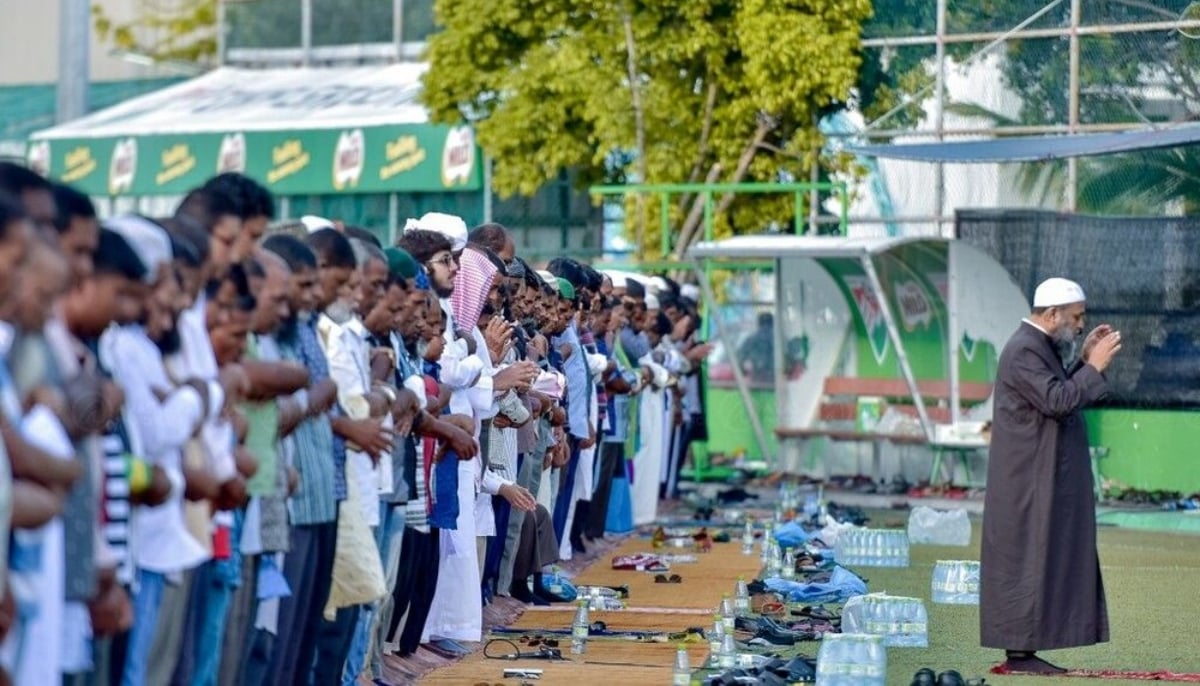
[{"x": 1092, "y": 338}]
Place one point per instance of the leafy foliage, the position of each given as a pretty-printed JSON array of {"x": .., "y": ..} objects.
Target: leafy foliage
[
  {"x": 658, "y": 91},
  {"x": 179, "y": 31}
]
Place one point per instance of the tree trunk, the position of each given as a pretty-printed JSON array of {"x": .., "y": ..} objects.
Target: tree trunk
[
  {"x": 639, "y": 123},
  {"x": 690, "y": 230}
]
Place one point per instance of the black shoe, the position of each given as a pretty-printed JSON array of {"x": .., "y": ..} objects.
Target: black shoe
[
  {"x": 582, "y": 508},
  {"x": 520, "y": 591},
  {"x": 950, "y": 678},
  {"x": 924, "y": 677},
  {"x": 1032, "y": 665}
]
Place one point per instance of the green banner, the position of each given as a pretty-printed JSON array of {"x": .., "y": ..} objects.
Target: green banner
[
  {"x": 914, "y": 281},
  {"x": 402, "y": 158}
]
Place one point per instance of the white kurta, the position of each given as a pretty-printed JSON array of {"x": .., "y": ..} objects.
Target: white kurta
[
  {"x": 158, "y": 430},
  {"x": 647, "y": 462},
  {"x": 346, "y": 350},
  {"x": 457, "y": 610}
]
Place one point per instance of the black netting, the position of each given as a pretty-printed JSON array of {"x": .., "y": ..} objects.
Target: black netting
[{"x": 1142, "y": 275}]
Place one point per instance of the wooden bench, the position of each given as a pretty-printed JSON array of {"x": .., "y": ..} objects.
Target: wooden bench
[{"x": 838, "y": 411}]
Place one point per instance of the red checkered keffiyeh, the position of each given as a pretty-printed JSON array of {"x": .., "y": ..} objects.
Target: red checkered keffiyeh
[{"x": 472, "y": 284}]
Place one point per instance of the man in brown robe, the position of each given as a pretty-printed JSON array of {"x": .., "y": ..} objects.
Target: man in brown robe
[{"x": 1040, "y": 572}]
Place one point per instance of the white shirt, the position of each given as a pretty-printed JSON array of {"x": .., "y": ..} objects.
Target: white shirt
[
  {"x": 158, "y": 430},
  {"x": 348, "y": 354}
]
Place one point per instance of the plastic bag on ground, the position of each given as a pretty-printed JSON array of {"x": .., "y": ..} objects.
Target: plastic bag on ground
[{"x": 939, "y": 527}]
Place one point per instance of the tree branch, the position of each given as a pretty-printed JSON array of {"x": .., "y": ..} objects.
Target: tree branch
[
  {"x": 710, "y": 103},
  {"x": 688, "y": 234},
  {"x": 639, "y": 122}
]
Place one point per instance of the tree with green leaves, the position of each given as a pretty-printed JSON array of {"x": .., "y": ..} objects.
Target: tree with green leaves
[
  {"x": 658, "y": 92},
  {"x": 179, "y": 31}
]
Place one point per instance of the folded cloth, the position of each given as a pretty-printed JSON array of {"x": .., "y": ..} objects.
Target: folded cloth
[
  {"x": 793, "y": 535},
  {"x": 842, "y": 585},
  {"x": 641, "y": 562}
]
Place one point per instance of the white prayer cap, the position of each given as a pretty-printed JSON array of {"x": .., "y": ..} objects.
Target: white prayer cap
[
  {"x": 148, "y": 240},
  {"x": 313, "y": 223},
  {"x": 1056, "y": 291},
  {"x": 550, "y": 279},
  {"x": 690, "y": 291},
  {"x": 618, "y": 279},
  {"x": 449, "y": 225},
  {"x": 658, "y": 284},
  {"x": 652, "y": 302}
]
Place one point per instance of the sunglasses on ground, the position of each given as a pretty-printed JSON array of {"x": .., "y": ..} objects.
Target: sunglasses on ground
[{"x": 664, "y": 579}]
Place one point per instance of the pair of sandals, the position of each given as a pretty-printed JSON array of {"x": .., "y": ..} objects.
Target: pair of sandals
[
  {"x": 927, "y": 677},
  {"x": 774, "y": 672}
]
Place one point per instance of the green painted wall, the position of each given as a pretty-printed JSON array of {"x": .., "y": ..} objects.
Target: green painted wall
[
  {"x": 1148, "y": 449},
  {"x": 728, "y": 426}
]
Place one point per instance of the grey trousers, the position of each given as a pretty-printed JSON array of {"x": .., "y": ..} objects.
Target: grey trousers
[
  {"x": 391, "y": 528},
  {"x": 168, "y": 635},
  {"x": 529, "y": 476}
]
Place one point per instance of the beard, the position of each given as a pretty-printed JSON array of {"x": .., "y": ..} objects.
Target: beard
[
  {"x": 340, "y": 311},
  {"x": 1065, "y": 339},
  {"x": 443, "y": 291},
  {"x": 169, "y": 342}
]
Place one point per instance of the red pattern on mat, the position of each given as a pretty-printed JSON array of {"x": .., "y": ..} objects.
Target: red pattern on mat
[{"x": 1161, "y": 675}]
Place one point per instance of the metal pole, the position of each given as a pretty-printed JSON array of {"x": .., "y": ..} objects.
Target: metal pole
[
  {"x": 1022, "y": 33},
  {"x": 393, "y": 217},
  {"x": 306, "y": 32},
  {"x": 894, "y": 334},
  {"x": 487, "y": 189},
  {"x": 731, "y": 349},
  {"x": 1073, "y": 105},
  {"x": 953, "y": 337},
  {"x": 939, "y": 189},
  {"x": 398, "y": 28},
  {"x": 73, "y": 69},
  {"x": 814, "y": 199},
  {"x": 221, "y": 25}
]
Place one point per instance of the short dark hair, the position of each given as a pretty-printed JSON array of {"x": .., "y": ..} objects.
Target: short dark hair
[
  {"x": 184, "y": 251},
  {"x": 236, "y": 275},
  {"x": 569, "y": 269},
  {"x": 529, "y": 275},
  {"x": 251, "y": 198},
  {"x": 423, "y": 244},
  {"x": 254, "y": 268},
  {"x": 333, "y": 248},
  {"x": 592, "y": 278},
  {"x": 206, "y": 206},
  {"x": 11, "y": 211},
  {"x": 359, "y": 233},
  {"x": 17, "y": 178},
  {"x": 70, "y": 204},
  {"x": 492, "y": 236},
  {"x": 115, "y": 256},
  {"x": 185, "y": 229},
  {"x": 292, "y": 250},
  {"x": 662, "y": 324},
  {"x": 635, "y": 289}
]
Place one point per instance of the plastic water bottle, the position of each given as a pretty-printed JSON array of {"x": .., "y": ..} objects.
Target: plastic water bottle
[
  {"x": 748, "y": 538},
  {"x": 728, "y": 652},
  {"x": 579, "y": 629},
  {"x": 715, "y": 638},
  {"x": 727, "y": 614},
  {"x": 741, "y": 597},
  {"x": 775, "y": 563},
  {"x": 789, "y": 565},
  {"x": 682, "y": 674}
]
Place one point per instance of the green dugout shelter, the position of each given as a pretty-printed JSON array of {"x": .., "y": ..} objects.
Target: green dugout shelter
[{"x": 884, "y": 348}]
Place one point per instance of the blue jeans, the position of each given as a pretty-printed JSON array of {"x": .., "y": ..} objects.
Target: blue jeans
[
  {"x": 146, "y": 602},
  {"x": 357, "y": 658},
  {"x": 217, "y": 580}
]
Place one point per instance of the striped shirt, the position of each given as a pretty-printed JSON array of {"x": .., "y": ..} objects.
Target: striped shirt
[{"x": 322, "y": 475}]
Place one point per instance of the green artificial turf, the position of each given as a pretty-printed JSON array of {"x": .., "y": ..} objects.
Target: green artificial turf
[{"x": 1153, "y": 587}]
